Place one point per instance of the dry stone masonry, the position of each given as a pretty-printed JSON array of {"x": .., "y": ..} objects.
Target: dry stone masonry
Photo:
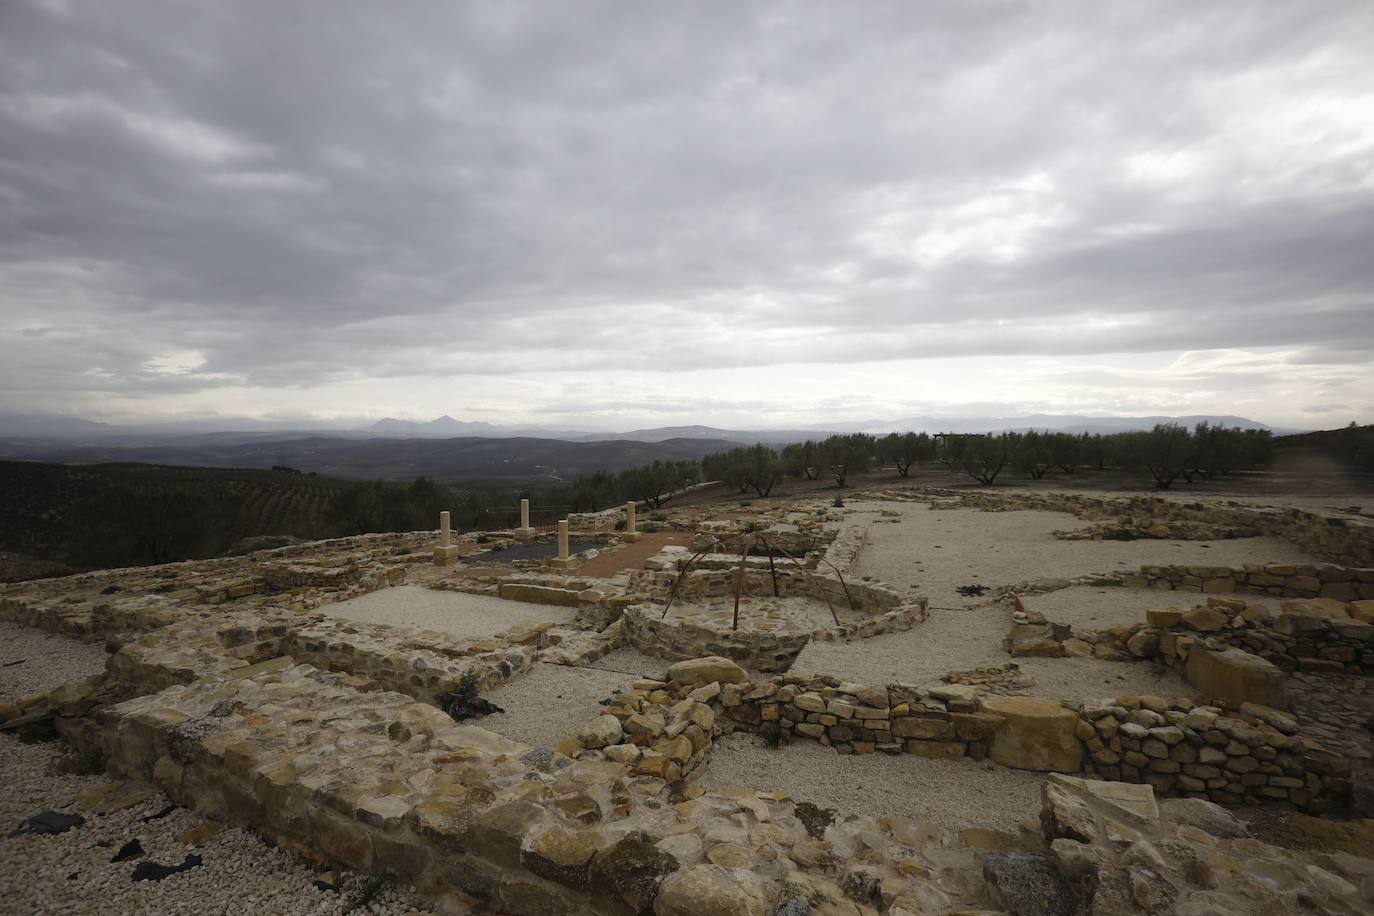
[{"x": 228, "y": 688}]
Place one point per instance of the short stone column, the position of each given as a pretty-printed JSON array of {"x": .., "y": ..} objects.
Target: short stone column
[
  {"x": 447, "y": 551},
  {"x": 564, "y": 560},
  {"x": 630, "y": 534},
  {"x": 524, "y": 532}
]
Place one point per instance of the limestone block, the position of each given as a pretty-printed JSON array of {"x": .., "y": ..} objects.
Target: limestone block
[
  {"x": 601, "y": 731},
  {"x": 1164, "y": 617},
  {"x": 715, "y": 889},
  {"x": 1235, "y": 676},
  {"x": 1037, "y": 734},
  {"x": 698, "y": 672},
  {"x": 1204, "y": 620},
  {"x": 922, "y": 728}
]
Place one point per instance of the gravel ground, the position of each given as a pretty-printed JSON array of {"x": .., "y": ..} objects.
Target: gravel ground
[
  {"x": 951, "y": 793},
  {"x": 72, "y": 872},
  {"x": 550, "y": 702},
  {"x": 631, "y": 661},
  {"x": 1089, "y": 608},
  {"x": 935, "y": 551},
  {"x": 957, "y": 640},
  {"x": 34, "y": 660},
  {"x": 463, "y": 615}
]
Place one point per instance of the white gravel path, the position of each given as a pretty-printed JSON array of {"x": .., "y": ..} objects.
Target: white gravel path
[
  {"x": 72, "y": 872},
  {"x": 951, "y": 793},
  {"x": 463, "y": 615},
  {"x": 32, "y": 660},
  {"x": 550, "y": 702},
  {"x": 935, "y": 551},
  {"x": 1087, "y": 607},
  {"x": 957, "y": 640}
]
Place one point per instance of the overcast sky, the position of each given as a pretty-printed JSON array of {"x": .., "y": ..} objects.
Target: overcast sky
[{"x": 627, "y": 214}]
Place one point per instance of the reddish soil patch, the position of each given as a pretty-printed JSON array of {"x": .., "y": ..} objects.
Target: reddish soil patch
[{"x": 632, "y": 556}]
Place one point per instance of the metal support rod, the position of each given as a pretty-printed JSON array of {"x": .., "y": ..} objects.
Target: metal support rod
[
  {"x": 824, "y": 594},
  {"x": 739, "y": 583}
]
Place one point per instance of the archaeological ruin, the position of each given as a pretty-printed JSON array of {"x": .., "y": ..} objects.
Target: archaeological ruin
[{"x": 922, "y": 701}]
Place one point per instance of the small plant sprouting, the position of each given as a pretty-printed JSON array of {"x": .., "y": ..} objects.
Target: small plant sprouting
[
  {"x": 483, "y": 539},
  {"x": 773, "y": 736},
  {"x": 370, "y": 890},
  {"x": 838, "y": 502},
  {"x": 465, "y": 702}
]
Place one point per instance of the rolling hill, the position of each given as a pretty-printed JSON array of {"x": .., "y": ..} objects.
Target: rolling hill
[{"x": 462, "y": 459}]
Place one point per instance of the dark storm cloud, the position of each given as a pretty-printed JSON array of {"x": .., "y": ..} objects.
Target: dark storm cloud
[{"x": 195, "y": 195}]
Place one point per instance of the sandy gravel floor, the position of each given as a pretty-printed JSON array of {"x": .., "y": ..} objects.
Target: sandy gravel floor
[
  {"x": 34, "y": 660},
  {"x": 935, "y": 551},
  {"x": 631, "y": 661},
  {"x": 463, "y": 615},
  {"x": 550, "y": 702},
  {"x": 1091, "y": 608},
  {"x": 950, "y": 793},
  {"x": 957, "y": 640},
  {"x": 72, "y": 872}
]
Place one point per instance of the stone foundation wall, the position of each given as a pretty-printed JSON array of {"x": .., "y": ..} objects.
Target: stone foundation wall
[
  {"x": 376, "y": 782},
  {"x": 1320, "y": 634},
  {"x": 1341, "y": 583},
  {"x": 1246, "y": 756}
]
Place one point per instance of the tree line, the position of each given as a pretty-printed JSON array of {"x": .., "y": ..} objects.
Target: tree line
[{"x": 1168, "y": 452}]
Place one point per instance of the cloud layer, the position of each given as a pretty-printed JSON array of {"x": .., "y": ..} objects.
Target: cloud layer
[{"x": 624, "y": 213}]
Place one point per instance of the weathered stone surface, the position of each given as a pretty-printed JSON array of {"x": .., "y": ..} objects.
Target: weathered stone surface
[
  {"x": 1235, "y": 676},
  {"x": 1035, "y": 735},
  {"x": 1203, "y": 619},
  {"x": 631, "y": 871},
  {"x": 1028, "y": 884},
  {"x": 601, "y": 731},
  {"x": 698, "y": 672},
  {"x": 1204, "y": 815},
  {"x": 922, "y": 728},
  {"x": 706, "y": 890}
]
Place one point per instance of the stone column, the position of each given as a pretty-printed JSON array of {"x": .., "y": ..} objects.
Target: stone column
[
  {"x": 524, "y": 532},
  {"x": 447, "y": 551},
  {"x": 630, "y": 533},
  {"x": 564, "y": 560}
]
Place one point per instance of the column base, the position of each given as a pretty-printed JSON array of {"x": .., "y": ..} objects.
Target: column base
[
  {"x": 523, "y": 534},
  {"x": 629, "y": 536},
  {"x": 444, "y": 556},
  {"x": 562, "y": 562}
]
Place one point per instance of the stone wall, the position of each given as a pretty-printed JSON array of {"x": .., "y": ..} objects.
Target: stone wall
[
  {"x": 1246, "y": 756},
  {"x": 377, "y": 782},
  {"x": 1341, "y": 583},
  {"x": 1242, "y": 754},
  {"x": 1313, "y": 634}
]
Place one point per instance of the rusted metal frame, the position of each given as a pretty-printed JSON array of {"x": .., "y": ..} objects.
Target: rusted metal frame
[
  {"x": 682, "y": 573},
  {"x": 824, "y": 594}
]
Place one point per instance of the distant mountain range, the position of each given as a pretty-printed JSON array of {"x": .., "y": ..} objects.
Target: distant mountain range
[
  {"x": 231, "y": 430},
  {"x": 468, "y": 458},
  {"x": 450, "y": 449}
]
